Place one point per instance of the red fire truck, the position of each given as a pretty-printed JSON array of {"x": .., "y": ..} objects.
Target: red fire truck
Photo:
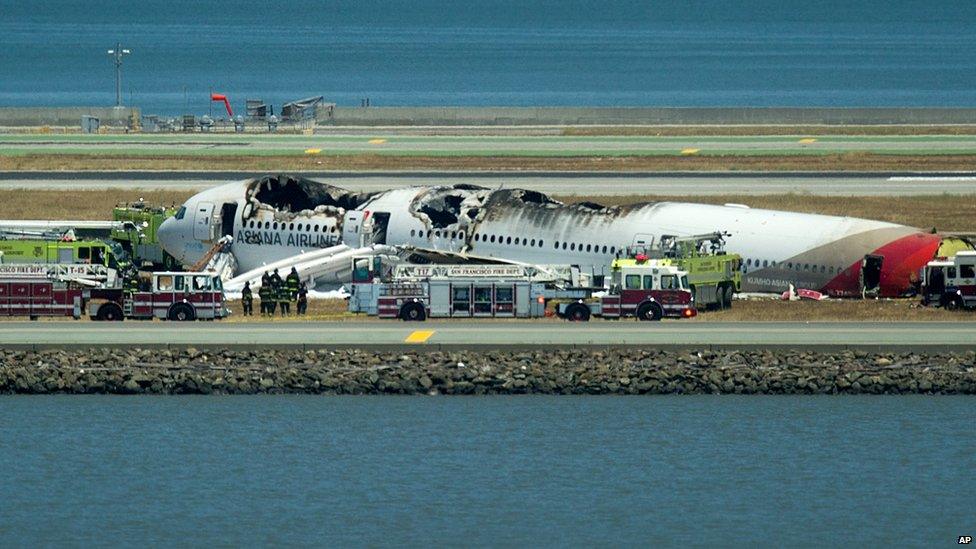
[
  {"x": 73, "y": 290},
  {"x": 639, "y": 288},
  {"x": 164, "y": 295}
]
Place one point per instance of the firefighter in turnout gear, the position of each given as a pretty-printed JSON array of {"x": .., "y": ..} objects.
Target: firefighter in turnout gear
[
  {"x": 247, "y": 299},
  {"x": 264, "y": 294},
  {"x": 302, "y": 299},
  {"x": 283, "y": 297},
  {"x": 274, "y": 283},
  {"x": 292, "y": 282}
]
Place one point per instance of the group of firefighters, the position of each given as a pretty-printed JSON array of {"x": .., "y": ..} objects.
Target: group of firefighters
[{"x": 276, "y": 293}]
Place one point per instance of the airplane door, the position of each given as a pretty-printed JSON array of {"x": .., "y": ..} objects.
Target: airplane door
[
  {"x": 202, "y": 225},
  {"x": 643, "y": 241},
  {"x": 352, "y": 229}
]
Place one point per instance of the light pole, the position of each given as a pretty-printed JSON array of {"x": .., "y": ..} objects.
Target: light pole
[{"x": 117, "y": 54}]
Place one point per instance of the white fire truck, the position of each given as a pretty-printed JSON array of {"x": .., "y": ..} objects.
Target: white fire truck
[
  {"x": 950, "y": 282},
  {"x": 36, "y": 290},
  {"x": 416, "y": 293}
]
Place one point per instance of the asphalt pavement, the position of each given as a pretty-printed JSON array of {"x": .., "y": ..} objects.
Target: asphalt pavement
[{"x": 493, "y": 334}]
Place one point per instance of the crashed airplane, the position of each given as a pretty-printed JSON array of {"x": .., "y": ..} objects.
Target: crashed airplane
[{"x": 282, "y": 220}]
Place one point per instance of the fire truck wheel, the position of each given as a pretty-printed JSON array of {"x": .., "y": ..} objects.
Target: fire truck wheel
[
  {"x": 413, "y": 312},
  {"x": 181, "y": 312},
  {"x": 577, "y": 312},
  {"x": 110, "y": 312},
  {"x": 729, "y": 293},
  {"x": 649, "y": 311},
  {"x": 953, "y": 302}
]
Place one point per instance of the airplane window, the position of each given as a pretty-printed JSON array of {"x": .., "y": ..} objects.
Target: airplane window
[
  {"x": 806, "y": 266},
  {"x": 267, "y": 224},
  {"x": 413, "y": 232},
  {"x": 581, "y": 246},
  {"x": 533, "y": 243},
  {"x": 477, "y": 237},
  {"x": 454, "y": 235},
  {"x": 316, "y": 229},
  {"x": 275, "y": 225},
  {"x": 492, "y": 239},
  {"x": 612, "y": 250},
  {"x": 541, "y": 243},
  {"x": 749, "y": 262},
  {"x": 564, "y": 245},
  {"x": 588, "y": 247},
  {"x": 572, "y": 246},
  {"x": 291, "y": 226},
  {"x": 604, "y": 248},
  {"x": 823, "y": 269},
  {"x": 831, "y": 270},
  {"x": 556, "y": 245},
  {"x": 437, "y": 234},
  {"x": 765, "y": 263},
  {"x": 516, "y": 241},
  {"x": 461, "y": 235},
  {"x": 789, "y": 265},
  {"x": 333, "y": 229},
  {"x": 509, "y": 240}
]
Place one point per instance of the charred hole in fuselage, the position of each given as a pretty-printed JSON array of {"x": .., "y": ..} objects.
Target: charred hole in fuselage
[
  {"x": 297, "y": 194},
  {"x": 590, "y": 206}
]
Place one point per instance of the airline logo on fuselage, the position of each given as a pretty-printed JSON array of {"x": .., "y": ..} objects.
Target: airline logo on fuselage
[{"x": 271, "y": 238}]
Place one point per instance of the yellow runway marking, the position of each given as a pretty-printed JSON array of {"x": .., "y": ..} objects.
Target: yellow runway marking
[
  {"x": 377, "y": 141},
  {"x": 420, "y": 336},
  {"x": 690, "y": 151},
  {"x": 313, "y": 151},
  {"x": 807, "y": 140}
]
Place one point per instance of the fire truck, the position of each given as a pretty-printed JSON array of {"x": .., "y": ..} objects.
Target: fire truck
[
  {"x": 950, "y": 282},
  {"x": 714, "y": 275},
  {"x": 75, "y": 290},
  {"x": 418, "y": 292}
]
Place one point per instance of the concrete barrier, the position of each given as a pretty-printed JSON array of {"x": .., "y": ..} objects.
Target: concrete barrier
[
  {"x": 66, "y": 116},
  {"x": 572, "y": 116}
]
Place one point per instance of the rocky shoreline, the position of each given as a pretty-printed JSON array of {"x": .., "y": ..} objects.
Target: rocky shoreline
[{"x": 610, "y": 371}]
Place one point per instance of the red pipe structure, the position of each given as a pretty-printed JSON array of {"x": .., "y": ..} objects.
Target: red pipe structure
[{"x": 222, "y": 97}]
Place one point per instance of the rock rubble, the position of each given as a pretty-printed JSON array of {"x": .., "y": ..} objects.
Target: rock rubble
[{"x": 608, "y": 371}]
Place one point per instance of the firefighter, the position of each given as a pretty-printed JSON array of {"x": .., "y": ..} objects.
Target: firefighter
[
  {"x": 302, "y": 299},
  {"x": 292, "y": 282},
  {"x": 283, "y": 297},
  {"x": 264, "y": 294},
  {"x": 247, "y": 299}
]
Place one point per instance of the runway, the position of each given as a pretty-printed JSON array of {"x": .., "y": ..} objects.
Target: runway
[
  {"x": 222, "y": 144},
  {"x": 908, "y": 336},
  {"x": 555, "y": 183}
]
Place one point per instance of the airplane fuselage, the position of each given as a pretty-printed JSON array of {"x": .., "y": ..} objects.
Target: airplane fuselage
[{"x": 778, "y": 248}]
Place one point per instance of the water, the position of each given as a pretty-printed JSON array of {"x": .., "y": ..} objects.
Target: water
[
  {"x": 495, "y": 52},
  {"x": 478, "y": 471}
]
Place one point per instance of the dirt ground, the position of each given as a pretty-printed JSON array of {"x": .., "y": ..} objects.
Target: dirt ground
[
  {"x": 829, "y": 163},
  {"x": 946, "y": 213}
]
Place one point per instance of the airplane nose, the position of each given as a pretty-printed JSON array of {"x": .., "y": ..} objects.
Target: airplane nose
[{"x": 169, "y": 238}]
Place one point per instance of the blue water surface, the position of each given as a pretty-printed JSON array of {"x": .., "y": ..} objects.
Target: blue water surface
[
  {"x": 493, "y": 52},
  {"x": 417, "y": 471}
]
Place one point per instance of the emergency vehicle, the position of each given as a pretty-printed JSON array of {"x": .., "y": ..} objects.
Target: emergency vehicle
[
  {"x": 75, "y": 290},
  {"x": 417, "y": 292},
  {"x": 714, "y": 275},
  {"x": 56, "y": 249},
  {"x": 950, "y": 282},
  {"x": 165, "y": 295}
]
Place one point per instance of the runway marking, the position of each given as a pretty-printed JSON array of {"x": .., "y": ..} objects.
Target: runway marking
[
  {"x": 420, "y": 336},
  {"x": 689, "y": 151},
  {"x": 313, "y": 151},
  {"x": 377, "y": 141},
  {"x": 932, "y": 178},
  {"x": 807, "y": 141}
]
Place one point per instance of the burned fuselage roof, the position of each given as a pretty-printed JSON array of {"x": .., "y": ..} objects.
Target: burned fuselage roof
[{"x": 296, "y": 194}]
